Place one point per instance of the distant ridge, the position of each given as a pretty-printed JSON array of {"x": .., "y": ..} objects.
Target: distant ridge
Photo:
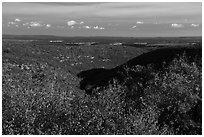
[
  {"x": 104, "y": 39},
  {"x": 39, "y": 37},
  {"x": 9, "y": 36}
]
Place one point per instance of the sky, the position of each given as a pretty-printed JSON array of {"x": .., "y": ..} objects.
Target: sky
[{"x": 126, "y": 19}]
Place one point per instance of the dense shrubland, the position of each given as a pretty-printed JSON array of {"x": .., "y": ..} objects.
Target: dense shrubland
[{"x": 39, "y": 99}]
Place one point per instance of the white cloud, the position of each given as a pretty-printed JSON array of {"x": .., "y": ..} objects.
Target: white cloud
[
  {"x": 87, "y": 27},
  {"x": 11, "y": 23},
  {"x": 71, "y": 23},
  {"x": 195, "y": 25},
  {"x": 177, "y": 25},
  {"x": 101, "y": 28},
  {"x": 96, "y": 27},
  {"x": 17, "y": 20},
  {"x": 81, "y": 22},
  {"x": 133, "y": 27},
  {"x": 25, "y": 24},
  {"x": 35, "y": 24},
  {"x": 142, "y": 10},
  {"x": 48, "y": 25},
  {"x": 140, "y": 22}
]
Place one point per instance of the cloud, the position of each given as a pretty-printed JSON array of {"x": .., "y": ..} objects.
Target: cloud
[
  {"x": 35, "y": 24},
  {"x": 195, "y": 25},
  {"x": 133, "y": 27},
  {"x": 11, "y": 23},
  {"x": 71, "y": 23},
  {"x": 96, "y": 27},
  {"x": 140, "y": 22},
  {"x": 177, "y": 25},
  {"x": 26, "y": 24},
  {"x": 119, "y": 10},
  {"x": 101, "y": 28},
  {"x": 87, "y": 27},
  {"x": 17, "y": 20},
  {"x": 81, "y": 22},
  {"x": 48, "y": 25}
]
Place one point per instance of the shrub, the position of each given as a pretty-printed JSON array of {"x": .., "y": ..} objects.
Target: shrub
[
  {"x": 34, "y": 99},
  {"x": 177, "y": 94},
  {"x": 40, "y": 99}
]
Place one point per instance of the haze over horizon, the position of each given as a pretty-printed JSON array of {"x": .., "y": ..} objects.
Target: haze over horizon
[{"x": 126, "y": 19}]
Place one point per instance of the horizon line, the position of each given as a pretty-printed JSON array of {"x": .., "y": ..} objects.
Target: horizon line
[{"x": 103, "y": 36}]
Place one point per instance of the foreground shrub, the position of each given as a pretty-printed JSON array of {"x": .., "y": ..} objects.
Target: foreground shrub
[
  {"x": 109, "y": 113},
  {"x": 40, "y": 99},
  {"x": 34, "y": 98},
  {"x": 177, "y": 94}
]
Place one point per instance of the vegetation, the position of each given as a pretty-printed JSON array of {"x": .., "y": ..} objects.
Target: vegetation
[
  {"x": 69, "y": 58},
  {"x": 40, "y": 99}
]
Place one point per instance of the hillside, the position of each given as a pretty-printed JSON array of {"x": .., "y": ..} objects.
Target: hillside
[
  {"x": 70, "y": 58},
  {"x": 118, "y": 92}
]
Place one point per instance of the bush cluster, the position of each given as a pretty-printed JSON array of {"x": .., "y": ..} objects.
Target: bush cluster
[
  {"x": 177, "y": 93},
  {"x": 45, "y": 100}
]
